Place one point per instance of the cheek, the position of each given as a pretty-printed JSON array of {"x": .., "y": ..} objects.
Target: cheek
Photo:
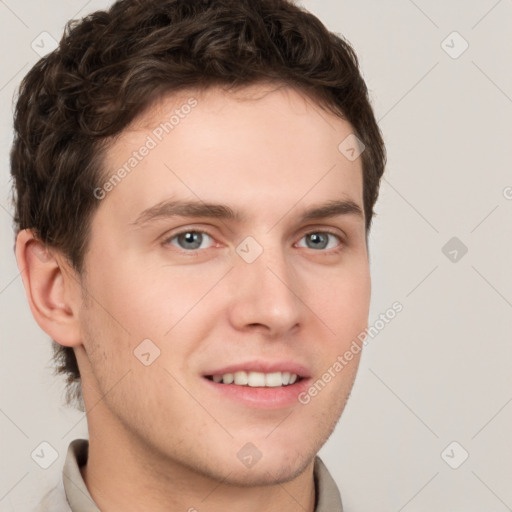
[
  {"x": 174, "y": 308},
  {"x": 343, "y": 302},
  {"x": 146, "y": 301}
]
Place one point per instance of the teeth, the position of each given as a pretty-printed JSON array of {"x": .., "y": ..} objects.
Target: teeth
[
  {"x": 273, "y": 380},
  {"x": 257, "y": 379},
  {"x": 241, "y": 378}
]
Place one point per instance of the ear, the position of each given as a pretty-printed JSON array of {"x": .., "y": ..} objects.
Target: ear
[{"x": 53, "y": 291}]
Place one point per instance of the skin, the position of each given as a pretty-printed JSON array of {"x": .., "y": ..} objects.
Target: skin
[{"x": 160, "y": 439}]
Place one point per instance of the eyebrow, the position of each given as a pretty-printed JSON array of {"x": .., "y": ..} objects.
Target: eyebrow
[
  {"x": 333, "y": 209},
  {"x": 172, "y": 208}
]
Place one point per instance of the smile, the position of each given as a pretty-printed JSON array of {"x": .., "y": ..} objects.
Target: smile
[{"x": 256, "y": 379}]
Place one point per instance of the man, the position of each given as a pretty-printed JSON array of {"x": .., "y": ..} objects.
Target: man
[{"x": 195, "y": 183}]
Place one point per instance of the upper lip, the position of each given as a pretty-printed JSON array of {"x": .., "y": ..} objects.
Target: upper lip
[{"x": 263, "y": 367}]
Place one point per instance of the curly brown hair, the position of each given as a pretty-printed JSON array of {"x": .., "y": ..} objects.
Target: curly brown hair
[{"x": 112, "y": 65}]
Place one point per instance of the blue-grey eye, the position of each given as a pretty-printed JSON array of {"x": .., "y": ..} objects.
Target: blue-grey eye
[
  {"x": 320, "y": 240},
  {"x": 191, "y": 240}
]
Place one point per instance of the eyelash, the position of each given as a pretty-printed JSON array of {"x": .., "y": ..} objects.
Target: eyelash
[{"x": 191, "y": 252}]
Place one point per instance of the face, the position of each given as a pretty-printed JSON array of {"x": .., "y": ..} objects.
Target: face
[{"x": 234, "y": 247}]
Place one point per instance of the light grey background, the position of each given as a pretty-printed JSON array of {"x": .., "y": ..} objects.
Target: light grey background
[{"x": 441, "y": 370}]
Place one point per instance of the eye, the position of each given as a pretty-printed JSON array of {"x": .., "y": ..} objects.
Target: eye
[
  {"x": 191, "y": 240},
  {"x": 320, "y": 240}
]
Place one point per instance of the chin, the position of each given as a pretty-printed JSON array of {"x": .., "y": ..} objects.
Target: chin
[{"x": 274, "y": 470}]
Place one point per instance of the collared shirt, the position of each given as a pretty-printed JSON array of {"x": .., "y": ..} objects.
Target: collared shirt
[{"x": 71, "y": 495}]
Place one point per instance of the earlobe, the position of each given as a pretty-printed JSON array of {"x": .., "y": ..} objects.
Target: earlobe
[{"x": 52, "y": 294}]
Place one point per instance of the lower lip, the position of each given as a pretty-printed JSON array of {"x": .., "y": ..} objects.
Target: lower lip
[{"x": 261, "y": 398}]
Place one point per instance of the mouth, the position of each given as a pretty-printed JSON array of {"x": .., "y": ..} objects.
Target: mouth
[
  {"x": 256, "y": 379},
  {"x": 258, "y": 384}
]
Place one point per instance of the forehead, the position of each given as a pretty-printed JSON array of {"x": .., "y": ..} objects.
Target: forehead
[{"x": 259, "y": 144}]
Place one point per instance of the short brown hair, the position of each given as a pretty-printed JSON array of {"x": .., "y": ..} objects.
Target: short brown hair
[{"x": 111, "y": 65}]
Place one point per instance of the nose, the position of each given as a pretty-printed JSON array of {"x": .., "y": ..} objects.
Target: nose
[{"x": 266, "y": 296}]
